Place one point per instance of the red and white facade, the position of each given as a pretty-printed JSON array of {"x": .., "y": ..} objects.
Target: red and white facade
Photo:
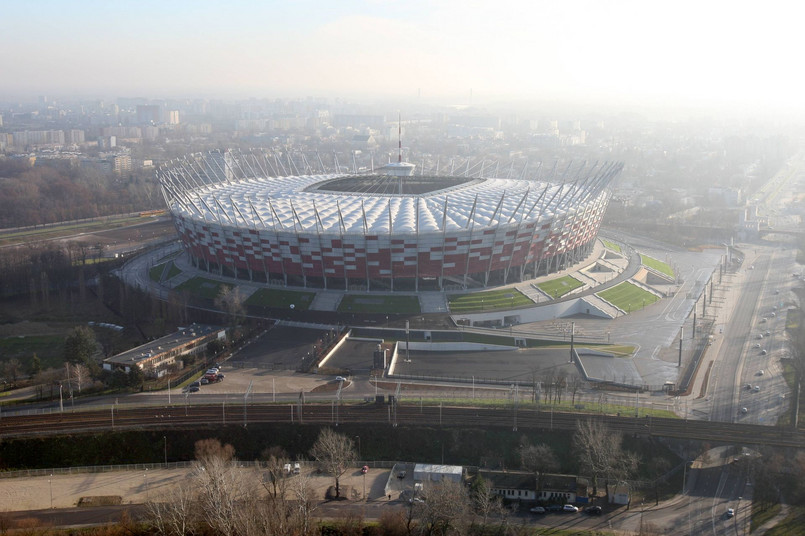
[{"x": 315, "y": 231}]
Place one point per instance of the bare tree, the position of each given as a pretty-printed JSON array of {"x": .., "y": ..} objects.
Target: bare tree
[
  {"x": 445, "y": 511},
  {"x": 230, "y": 300},
  {"x": 485, "y": 502},
  {"x": 305, "y": 505},
  {"x": 575, "y": 384},
  {"x": 538, "y": 459},
  {"x": 219, "y": 486},
  {"x": 11, "y": 369},
  {"x": 334, "y": 453},
  {"x": 600, "y": 453},
  {"x": 561, "y": 383},
  {"x": 275, "y": 481},
  {"x": 78, "y": 374},
  {"x": 175, "y": 513}
]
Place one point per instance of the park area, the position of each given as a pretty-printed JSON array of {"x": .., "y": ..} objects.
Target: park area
[
  {"x": 507, "y": 298},
  {"x": 628, "y": 296}
]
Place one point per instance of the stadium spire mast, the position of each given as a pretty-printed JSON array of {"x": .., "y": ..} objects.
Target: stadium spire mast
[{"x": 399, "y": 168}]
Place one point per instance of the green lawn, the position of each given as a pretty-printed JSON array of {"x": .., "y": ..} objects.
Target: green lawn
[
  {"x": 49, "y": 348},
  {"x": 366, "y": 303},
  {"x": 611, "y": 245},
  {"x": 793, "y": 524},
  {"x": 628, "y": 297},
  {"x": 556, "y": 288},
  {"x": 206, "y": 288},
  {"x": 156, "y": 272},
  {"x": 487, "y": 301},
  {"x": 654, "y": 264},
  {"x": 282, "y": 299}
]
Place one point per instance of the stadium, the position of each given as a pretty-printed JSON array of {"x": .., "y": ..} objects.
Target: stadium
[{"x": 277, "y": 218}]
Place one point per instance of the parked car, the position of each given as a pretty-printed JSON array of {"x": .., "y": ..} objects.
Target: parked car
[
  {"x": 204, "y": 381},
  {"x": 594, "y": 510},
  {"x": 730, "y": 512},
  {"x": 401, "y": 475},
  {"x": 192, "y": 389},
  {"x": 537, "y": 510},
  {"x": 756, "y": 388},
  {"x": 553, "y": 508},
  {"x": 763, "y": 352},
  {"x": 195, "y": 384},
  {"x": 570, "y": 508},
  {"x": 340, "y": 379},
  {"x": 744, "y": 410},
  {"x": 365, "y": 469}
]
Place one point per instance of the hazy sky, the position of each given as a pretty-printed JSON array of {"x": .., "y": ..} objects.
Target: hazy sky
[{"x": 697, "y": 52}]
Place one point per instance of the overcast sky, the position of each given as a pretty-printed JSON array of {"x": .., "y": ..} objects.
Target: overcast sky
[{"x": 691, "y": 52}]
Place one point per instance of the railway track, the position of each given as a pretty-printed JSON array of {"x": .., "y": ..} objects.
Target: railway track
[{"x": 213, "y": 415}]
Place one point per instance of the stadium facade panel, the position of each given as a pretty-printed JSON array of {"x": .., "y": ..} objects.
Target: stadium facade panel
[{"x": 235, "y": 218}]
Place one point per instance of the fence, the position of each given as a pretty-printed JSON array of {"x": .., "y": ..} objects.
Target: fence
[{"x": 90, "y": 469}]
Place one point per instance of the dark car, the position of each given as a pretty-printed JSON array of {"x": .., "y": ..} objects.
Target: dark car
[
  {"x": 553, "y": 508},
  {"x": 594, "y": 510},
  {"x": 192, "y": 389},
  {"x": 401, "y": 475}
]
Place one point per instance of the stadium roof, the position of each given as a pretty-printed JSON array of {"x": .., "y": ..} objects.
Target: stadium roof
[
  {"x": 297, "y": 203},
  {"x": 257, "y": 191}
]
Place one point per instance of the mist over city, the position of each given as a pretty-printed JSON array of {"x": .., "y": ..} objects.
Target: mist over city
[{"x": 402, "y": 267}]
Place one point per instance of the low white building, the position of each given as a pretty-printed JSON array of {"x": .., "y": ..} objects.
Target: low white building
[{"x": 427, "y": 472}]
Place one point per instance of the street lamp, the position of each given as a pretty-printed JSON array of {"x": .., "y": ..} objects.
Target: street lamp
[
  {"x": 50, "y": 482},
  {"x": 359, "y": 445},
  {"x": 165, "y": 440}
]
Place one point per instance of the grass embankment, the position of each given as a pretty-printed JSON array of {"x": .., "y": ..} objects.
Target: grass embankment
[
  {"x": 656, "y": 265},
  {"x": 281, "y": 299},
  {"x": 477, "y": 302},
  {"x": 611, "y": 245},
  {"x": 206, "y": 288},
  {"x": 49, "y": 349},
  {"x": 363, "y": 303},
  {"x": 463, "y": 398},
  {"x": 793, "y": 524},
  {"x": 760, "y": 516},
  {"x": 155, "y": 273},
  {"x": 628, "y": 297},
  {"x": 556, "y": 288},
  {"x": 54, "y": 231}
]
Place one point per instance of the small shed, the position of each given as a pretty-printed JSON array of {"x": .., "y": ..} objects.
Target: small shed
[
  {"x": 619, "y": 494},
  {"x": 427, "y": 472}
]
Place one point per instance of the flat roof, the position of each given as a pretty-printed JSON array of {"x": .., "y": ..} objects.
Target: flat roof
[{"x": 180, "y": 337}]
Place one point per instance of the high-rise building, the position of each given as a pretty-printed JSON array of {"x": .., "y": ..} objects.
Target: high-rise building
[{"x": 148, "y": 114}]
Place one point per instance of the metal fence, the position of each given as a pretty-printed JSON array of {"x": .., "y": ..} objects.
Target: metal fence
[{"x": 141, "y": 467}]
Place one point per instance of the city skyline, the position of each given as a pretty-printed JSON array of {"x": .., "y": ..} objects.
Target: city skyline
[{"x": 709, "y": 56}]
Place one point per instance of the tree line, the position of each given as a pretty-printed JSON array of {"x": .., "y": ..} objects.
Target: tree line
[{"x": 55, "y": 191}]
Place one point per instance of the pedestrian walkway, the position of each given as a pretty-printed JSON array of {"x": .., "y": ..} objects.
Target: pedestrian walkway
[
  {"x": 433, "y": 302},
  {"x": 326, "y": 300}
]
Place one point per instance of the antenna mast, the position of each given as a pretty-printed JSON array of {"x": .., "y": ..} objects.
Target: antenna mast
[{"x": 399, "y": 146}]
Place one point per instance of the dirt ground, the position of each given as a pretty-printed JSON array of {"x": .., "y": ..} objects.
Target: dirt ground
[{"x": 135, "y": 487}]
